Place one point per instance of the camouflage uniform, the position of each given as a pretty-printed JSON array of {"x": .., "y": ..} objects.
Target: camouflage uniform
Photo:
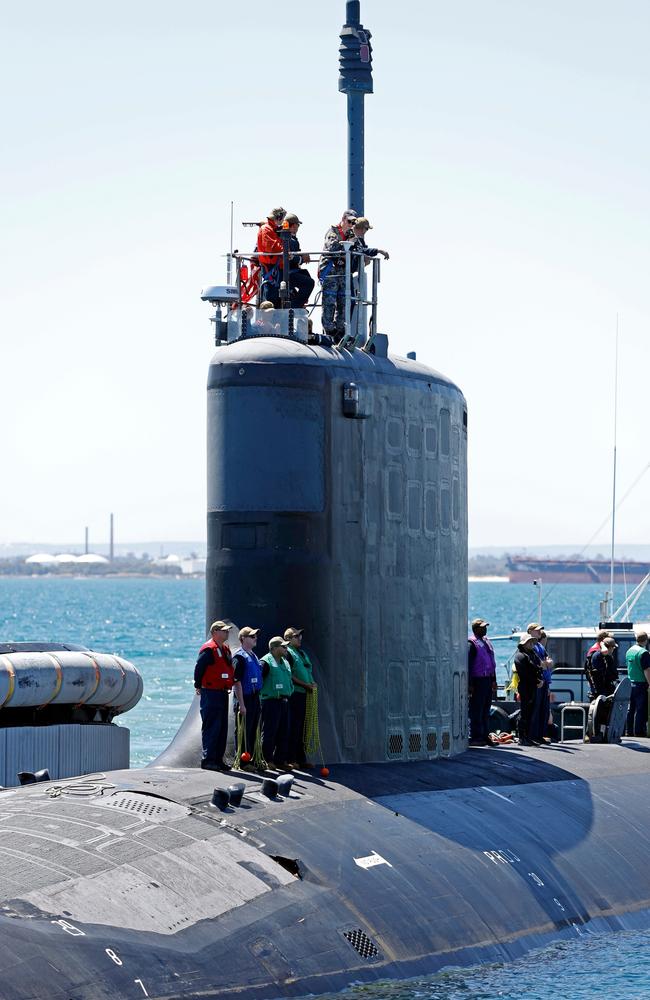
[{"x": 331, "y": 273}]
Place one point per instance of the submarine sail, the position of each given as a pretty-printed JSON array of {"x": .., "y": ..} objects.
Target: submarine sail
[{"x": 337, "y": 503}]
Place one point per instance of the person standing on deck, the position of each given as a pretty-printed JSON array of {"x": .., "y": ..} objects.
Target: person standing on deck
[
  {"x": 539, "y": 723},
  {"x": 482, "y": 681},
  {"x": 213, "y": 679},
  {"x": 527, "y": 665},
  {"x": 247, "y": 686},
  {"x": 303, "y": 684},
  {"x": 277, "y": 688},
  {"x": 602, "y": 668},
  {"x": 637, "y": 659}
]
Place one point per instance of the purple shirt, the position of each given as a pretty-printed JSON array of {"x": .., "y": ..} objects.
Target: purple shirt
[{"x": 481, "y": 661}]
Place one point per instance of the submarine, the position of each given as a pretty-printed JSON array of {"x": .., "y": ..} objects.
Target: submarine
[{"x": 415, "y": 853}]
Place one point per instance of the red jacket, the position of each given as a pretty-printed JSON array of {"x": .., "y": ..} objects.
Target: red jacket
[{"x": 269, "y": 245}]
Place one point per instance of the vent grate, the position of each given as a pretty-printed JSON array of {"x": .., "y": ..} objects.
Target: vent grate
[
  {"x": 415, "y": 741},
  {"x": 432, "y": 741},
  {"x": 446, "y": 740},
  {"x": 361, "y": 943},
  {"x": 395, "y": 744},
  {"x": 136, "y": 806}
]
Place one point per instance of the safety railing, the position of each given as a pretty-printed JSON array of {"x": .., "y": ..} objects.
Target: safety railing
[{"x": 360, "y": 296}]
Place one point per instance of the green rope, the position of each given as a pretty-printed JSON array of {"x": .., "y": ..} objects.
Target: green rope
[
  {"x": 310, "y": 733},
  {"x": 241, "y": 740}
]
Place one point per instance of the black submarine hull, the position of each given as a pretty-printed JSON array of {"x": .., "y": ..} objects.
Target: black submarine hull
[{"x": 133, "y": 884}]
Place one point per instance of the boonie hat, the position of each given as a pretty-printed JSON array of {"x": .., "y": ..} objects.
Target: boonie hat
[
  {"x": 291, "y": 219},
  {"x": 525, "y": 639},
  {"x": 610, "y": 643},
  {"x": 220, "y": 627},
  {"x": 362, "y": 221},
  {"x": 291, "y": 633},
  {"x": 480, "y": 623},
  {"x": 535, "y": 626},
  {"x": 247, "y": 632},
  {"x": 277, "y": 640},
  {"x": 277, "y": 213}
]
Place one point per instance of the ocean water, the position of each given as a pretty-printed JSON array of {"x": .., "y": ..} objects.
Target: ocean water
[{"x": 158, "y": 624}]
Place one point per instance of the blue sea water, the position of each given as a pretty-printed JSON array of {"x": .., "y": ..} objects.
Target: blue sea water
[{"x": 158, "y": 624}]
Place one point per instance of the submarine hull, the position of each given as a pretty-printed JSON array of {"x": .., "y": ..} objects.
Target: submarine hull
[{"x": 132, "y": 884}]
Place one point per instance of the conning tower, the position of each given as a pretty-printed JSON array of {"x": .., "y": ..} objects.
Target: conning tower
[{"x": 337, "y": 502}]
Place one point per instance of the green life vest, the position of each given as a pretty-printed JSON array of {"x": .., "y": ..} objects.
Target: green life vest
[
  {"x": 277, "y": 683},
  {"x": 633, "y": 663},
  {"x": 300, "y": 668}
]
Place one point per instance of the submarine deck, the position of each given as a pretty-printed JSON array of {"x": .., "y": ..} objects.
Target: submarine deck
[{"x": 132, "y": 883}]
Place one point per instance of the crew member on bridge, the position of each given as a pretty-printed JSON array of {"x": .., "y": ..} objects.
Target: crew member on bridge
[
  {"x": 303, "y": 683},
  {"x": 301, "y": 283},
  {"x": 482, "y": 680},
  {"x": 213, "y": 679},
  {"x": 331, "y": 274},
  {"x": 637, "y": 659},
  {"x": 277, "y": 688},
  {"x": 269, "y": 248},
  {"x": 247, "y": 686}
]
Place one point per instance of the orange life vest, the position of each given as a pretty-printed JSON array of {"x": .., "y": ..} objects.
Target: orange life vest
[{"x": 220, "y": 674}]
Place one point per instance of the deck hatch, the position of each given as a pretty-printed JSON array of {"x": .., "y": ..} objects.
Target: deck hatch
[{"x": 361, "y": 943}]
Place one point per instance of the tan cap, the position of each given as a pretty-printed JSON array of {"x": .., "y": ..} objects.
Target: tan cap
[
  {"x": 276, "y": 641},
  {"x": 291, "y": 219},
  {"x": 247, "y": 632},
  {"x": 535, "y": 626},
  {"x": 277, "y": 214},
  {"x": 480, "y": 623},
  {"x": 362, "y": 221},
  {"x": 525, "y": 639},
  {"x": 220, "y": 627},
  {"x": 291, "y": 633}
]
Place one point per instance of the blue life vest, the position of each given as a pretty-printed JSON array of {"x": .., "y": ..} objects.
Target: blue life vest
[{"x": 252, "y": 679}]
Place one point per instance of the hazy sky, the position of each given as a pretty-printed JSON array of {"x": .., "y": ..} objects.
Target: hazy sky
[{"x": 508, "y": 157}]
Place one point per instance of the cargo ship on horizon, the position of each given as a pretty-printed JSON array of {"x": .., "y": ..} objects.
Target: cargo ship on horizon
[{"x": 527, "y": 569}]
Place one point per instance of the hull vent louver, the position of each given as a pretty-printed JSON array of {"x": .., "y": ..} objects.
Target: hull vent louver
[{"x": 362, "y": 943}]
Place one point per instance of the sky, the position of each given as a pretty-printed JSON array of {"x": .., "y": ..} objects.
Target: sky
[{"x": 507, "y": 158}]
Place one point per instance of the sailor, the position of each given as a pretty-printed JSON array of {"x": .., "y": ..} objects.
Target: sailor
[
  {"x": 601, "y": 635},
  {"x": 303, "y": 684},
  {"x": 277, "y": 688},
  {"x": 481, "y": 674},
  {"x": 637, "y": 659},
  {"x": 269, "y": 248},
  {"x": 603, "y": 675},
  {"x": 301, "y": 283},
  {"x": 331, "y": 274},
  {"x": 539, "y": 722},
  {"x": 247, "y": 686},
  {"x": 359, "y": 231},
  {"x": 213, "y": 679},
  {"x": 527, "y": 665}
]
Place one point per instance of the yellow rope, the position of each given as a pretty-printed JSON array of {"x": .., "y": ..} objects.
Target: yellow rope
[
  {"x": 241, "y": 739},
  {"x": 258, "y": 757},
  {"x": 310, "y": 733},
  {"x": 514, "y": 681}
]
